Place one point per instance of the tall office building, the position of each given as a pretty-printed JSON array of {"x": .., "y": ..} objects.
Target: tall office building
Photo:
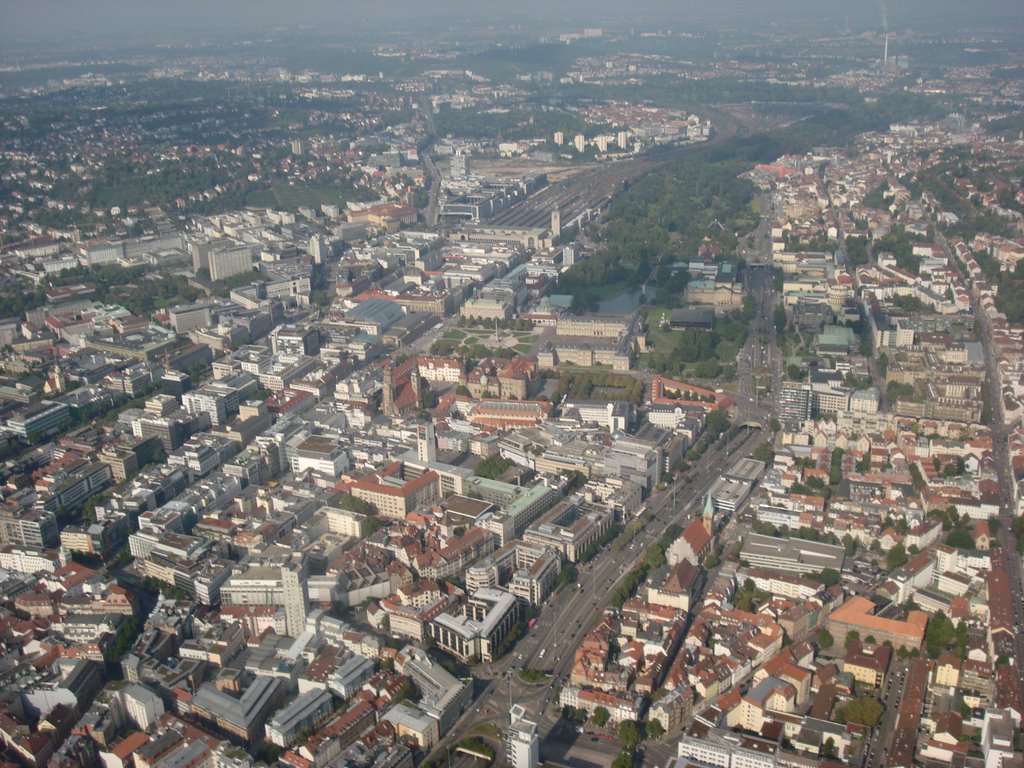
[
  {"x": 569, "y": 254},
  {"x": 556, "y": 224},
  {"x": 795, "y": 401},
  {"x": 460, "y": 166},
  {"x": 319, "y": 248},
  {"x": 559, "y": 138},
  {"x": 230, "y": 261},
  {"x": 580, "y": 142},
  {"x": 522, "y": 740},
  {"x": 295, "y": 598},
  {"x": 426, "y": 443}
]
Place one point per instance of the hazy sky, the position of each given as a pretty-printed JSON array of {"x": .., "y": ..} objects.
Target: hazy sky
[{"x": 23, "y": 20}]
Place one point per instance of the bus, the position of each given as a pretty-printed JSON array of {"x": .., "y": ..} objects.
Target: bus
[{"x": 531, "y": 624}]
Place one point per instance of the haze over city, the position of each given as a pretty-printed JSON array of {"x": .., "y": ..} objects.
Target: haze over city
[{"x": 393, "y": 384}]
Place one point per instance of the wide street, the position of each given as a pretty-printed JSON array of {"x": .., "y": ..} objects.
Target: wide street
[{"x": 572, "y": 611}]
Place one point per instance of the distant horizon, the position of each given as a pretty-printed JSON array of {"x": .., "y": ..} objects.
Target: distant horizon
[{"x": 27, "y": 22}]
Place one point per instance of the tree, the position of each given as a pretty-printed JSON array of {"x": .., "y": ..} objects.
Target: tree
[
  {"x": 764, "y": 453},
  {"x": 654, "y": 557},
  {"x": 408, "y": 691},
  {"x": 492, "y": 467},
  {"x": 655, "y": 729},
  {"x": 939, "y": 634},
  {"x": 835, "y": 471},
  {"x": 268, "y": 753},
  {"x": 829, "y": 577},
  {"x": 864, "y": 464},
  {"x": 896, "y": 557},
  {"x": 573, "y": 715},
  {"x": 829, "y": 747},
  {"x": 600, "y": 717},
  {"x": 717, "y": 422},
  {"x": 428, "y": 400},
  {"x": 567, "y": 575},
  {"x": 960, "y": 539},
  {"x": 850, "y": 544},
  {"x": 629, "y": 735},
  {"x": 825, "y": 640},
  {"x": 852, "y": 637},
  {"x": 623, "y": 760},
  {"x": 123, "y": 641},
  {"x": 865, "y": 711},
  {"x": 351, "y": 503},
  {"x": 779, "y": 318},
  {"x": 747, "y": 597}
]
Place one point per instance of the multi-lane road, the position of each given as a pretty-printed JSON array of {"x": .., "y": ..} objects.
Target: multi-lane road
[{"x": 571, "y": 612}]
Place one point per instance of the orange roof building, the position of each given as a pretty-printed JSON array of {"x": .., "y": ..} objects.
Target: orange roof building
[{"x": 857, "y": 614}]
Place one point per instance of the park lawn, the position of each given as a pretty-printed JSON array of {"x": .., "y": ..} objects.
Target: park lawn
[
  {"x": 261, "y": 198},
  {"x": 657, "y": 337},
  {"x": 288, "y": 197},
  {"x": 523, "y": 348},
  {"x": 292, "y": 197}
]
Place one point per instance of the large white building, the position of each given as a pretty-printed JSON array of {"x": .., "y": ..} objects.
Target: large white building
[
  {"x": 522, "y": 740},
  {"x": 722, "y": 751},
  {"x": 478, "y": 633},
  {"x": 218, "y": 400},
  {"x": 141, "y": 705},
  {"x": 345, "y": 522},
  {"x": 791, "y": 555},
  {"x": 321, "y": 455},
  {"x": 230, "y": 261},
  {"x": 278, "y": 585}
]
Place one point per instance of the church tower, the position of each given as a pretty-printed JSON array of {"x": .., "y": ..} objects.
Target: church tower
[
  {"x": 388, "y": 395},
  {"x": 709, "y": 515}
]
